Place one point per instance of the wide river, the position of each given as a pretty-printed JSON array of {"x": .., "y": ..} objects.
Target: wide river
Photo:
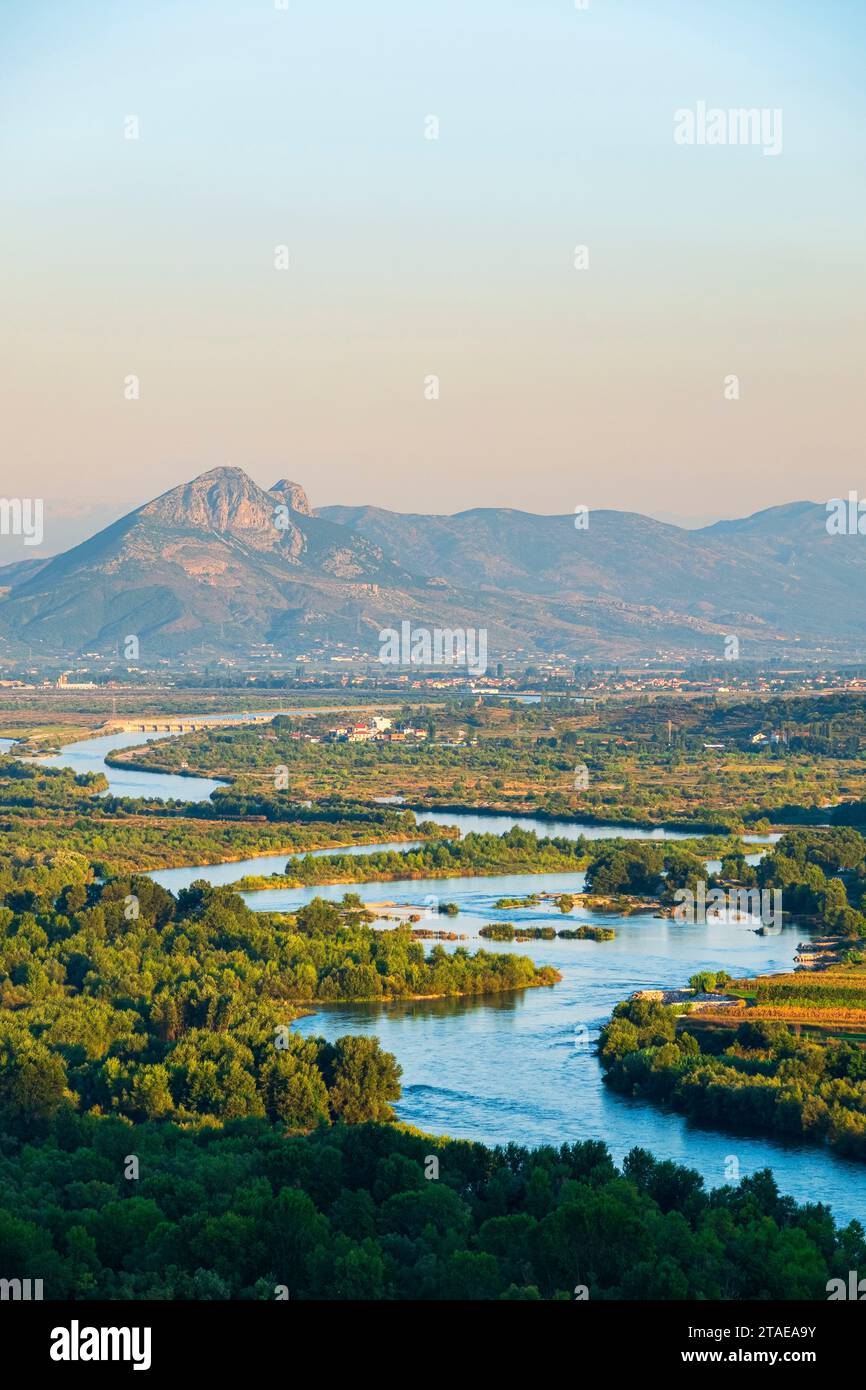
[{"x": 522, "y": 1067}]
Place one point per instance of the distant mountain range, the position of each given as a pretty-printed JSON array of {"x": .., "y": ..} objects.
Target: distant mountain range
[{"x": 219, "y": 566}]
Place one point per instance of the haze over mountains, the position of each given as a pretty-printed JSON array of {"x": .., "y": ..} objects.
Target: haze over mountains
[{"x": 219, "y": 566}]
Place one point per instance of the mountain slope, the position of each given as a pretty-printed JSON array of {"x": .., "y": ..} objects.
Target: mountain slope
[
  {"x": 777, "y": 578},
  {"x": 219, "y": 565},
  {"x": 211, "y": 562}
]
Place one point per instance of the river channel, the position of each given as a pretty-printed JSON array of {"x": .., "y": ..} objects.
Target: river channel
[{"x": 522, "y": 1067}]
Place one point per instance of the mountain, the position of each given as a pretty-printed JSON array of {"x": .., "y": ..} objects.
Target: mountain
[
  {"x": 212, "y": 564},
  {"x": 775, "y": 579},
  {"x": 293, "y": 495},
  {"x": 221, "y": 566}
]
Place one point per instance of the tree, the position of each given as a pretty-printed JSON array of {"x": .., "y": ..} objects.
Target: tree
[
  {"x": 150, "y": 1093},
  {"x": 293, "y": 1088},
  {"x": 361, "y": 1079},
  {"x": 33, "y": 1084}
]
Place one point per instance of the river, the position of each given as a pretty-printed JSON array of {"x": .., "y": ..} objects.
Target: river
[
  {"x": 89, "y": 756},
  {"x": 522, "y": 1067},
  {"x": 497, "y": 823}
]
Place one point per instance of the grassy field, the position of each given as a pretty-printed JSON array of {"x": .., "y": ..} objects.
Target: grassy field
[
  {"x": 36, "y": 737},
  {"x": 505, "y": 760},
  {"x": 641, "y": 760},
  {"x": 831, "y": 1001}
]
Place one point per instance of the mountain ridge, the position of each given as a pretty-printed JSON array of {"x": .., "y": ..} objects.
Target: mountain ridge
[{"x": 223, "y": 566}]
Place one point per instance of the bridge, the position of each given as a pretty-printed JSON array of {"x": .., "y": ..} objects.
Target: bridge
[{"x": 182, "y": 724}]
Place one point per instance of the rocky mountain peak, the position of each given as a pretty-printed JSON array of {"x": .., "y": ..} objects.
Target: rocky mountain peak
[
  {"x": 223, "y": 500},
  {"x": 293, "y": 495}
]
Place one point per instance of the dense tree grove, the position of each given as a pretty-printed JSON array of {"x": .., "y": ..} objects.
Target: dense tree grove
[
  {"x": 822, "y": 873},
  {"x": 124, "y": 999},
  {"x": 44, "y": 810},
  {"x": 760, "y": 1079},
  {"x": 517, "y": 851},
  {"x": 612, "y": 866},
  {"x": 643, "y": 869},
  {"x": 99, "y": 1208}
]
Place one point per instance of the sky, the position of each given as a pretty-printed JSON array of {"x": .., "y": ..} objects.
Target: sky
[{"x": 410, "y": 258}]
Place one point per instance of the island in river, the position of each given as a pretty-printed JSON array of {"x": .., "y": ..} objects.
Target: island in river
[{"x": 522, "y": 1066}]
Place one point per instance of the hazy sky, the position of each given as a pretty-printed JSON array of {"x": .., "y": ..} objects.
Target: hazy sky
[{"x": 305, "y": 127}]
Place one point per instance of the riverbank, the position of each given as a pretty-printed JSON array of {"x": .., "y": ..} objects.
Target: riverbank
[
  {"x": 386, "y": 999},
  {"x": 490, "y": 809},
  {"x": 332, "y": 878},
  {"x": 131, "y": 764},
  {"x": 516, "y": 1066},
  {"x": 780, "y": 1054}
]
